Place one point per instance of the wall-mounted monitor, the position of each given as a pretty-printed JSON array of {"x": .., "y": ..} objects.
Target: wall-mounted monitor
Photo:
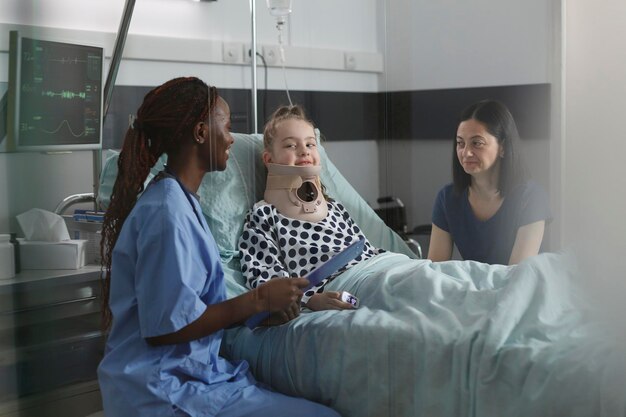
[{"x": 55, "y": 94}]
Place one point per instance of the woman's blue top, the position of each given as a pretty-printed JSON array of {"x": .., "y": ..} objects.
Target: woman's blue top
[{"x": 490, "y": 241}]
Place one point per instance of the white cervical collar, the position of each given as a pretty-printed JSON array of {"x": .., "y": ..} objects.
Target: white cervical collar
[{"x": 296, "y": 191}]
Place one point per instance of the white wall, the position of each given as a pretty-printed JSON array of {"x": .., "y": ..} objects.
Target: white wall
[
  {"x": 448, "y": 44},
  {"x": 222, "y": 20},
  {"x": 594, "y": 198},
  {"x": 38, "y": 180},
  {"x": 225, "y": 21},
  {"x": 456, "y": 44}
]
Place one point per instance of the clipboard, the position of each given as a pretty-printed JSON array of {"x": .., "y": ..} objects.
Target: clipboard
[{"x": 316, "y": 276}]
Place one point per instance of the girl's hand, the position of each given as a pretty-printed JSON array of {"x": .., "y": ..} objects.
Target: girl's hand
[
  {"x": 279, "y": 294},
  {"x": 329, "y": 300}
]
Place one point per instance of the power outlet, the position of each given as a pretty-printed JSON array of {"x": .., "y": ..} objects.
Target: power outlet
[
  {"x": 271, "y": 53},
  {"x": 349, "y": 61},
  {"x": 231, "y": 52}
]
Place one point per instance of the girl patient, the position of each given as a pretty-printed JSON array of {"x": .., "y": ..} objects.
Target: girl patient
[{"x": 296, "y": 227}]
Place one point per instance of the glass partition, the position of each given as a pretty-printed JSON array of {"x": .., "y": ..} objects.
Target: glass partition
[{"x": 384, "y": 81}]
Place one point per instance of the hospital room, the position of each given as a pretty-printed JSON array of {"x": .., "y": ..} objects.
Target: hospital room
[{"x": 338, "y": 208}]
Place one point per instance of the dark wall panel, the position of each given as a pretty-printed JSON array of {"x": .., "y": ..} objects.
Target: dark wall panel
[
  {"x": 429, "y": 114},
  {"x": 434, "y": 114}
]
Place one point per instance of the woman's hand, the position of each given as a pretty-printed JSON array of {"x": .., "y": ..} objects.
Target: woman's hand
[
  {"x": 281, "y": 317},
  {"x": 279, "y": 294},
  {"x": 329, "y": 300}
]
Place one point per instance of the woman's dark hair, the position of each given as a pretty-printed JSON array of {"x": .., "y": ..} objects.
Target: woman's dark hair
[
  {"x": 499, "y": 122},
  {"x": 165, "y": 119}
]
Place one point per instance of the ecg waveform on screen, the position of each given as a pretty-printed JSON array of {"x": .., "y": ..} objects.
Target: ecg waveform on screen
[
  {"x": 86, "y": 132},
  {"x": 64, "y": 94},
  {"x": 64, "y": 60}
]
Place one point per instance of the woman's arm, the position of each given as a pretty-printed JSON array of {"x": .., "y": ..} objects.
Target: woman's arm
[
  {"x": 527, "y": 241},
  {"x": 275, "y": 295},
  {"x": 440, "y": 247}
]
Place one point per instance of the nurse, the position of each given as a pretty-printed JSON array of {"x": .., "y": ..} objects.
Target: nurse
[
  {"x": 491, "y": 211},
  {"x": 164, "y": 291}
]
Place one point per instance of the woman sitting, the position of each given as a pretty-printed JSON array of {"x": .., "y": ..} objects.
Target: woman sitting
[{"x": 491, "y": 211}]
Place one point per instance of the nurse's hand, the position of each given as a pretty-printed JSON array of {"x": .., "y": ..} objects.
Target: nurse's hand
[
  {"x": 278, "y": 294},
  {"x": 281, "y": 317}
]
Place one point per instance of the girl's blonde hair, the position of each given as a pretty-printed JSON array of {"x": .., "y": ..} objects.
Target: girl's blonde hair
[{"x": 295, "y": 112}]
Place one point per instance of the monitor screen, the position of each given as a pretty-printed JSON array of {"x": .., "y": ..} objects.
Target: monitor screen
[{"x": 56, "y": 94}]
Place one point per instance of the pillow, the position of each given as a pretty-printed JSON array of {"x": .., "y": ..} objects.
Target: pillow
[
  {"x": 109, "y": 172},
  {"x": 227, "y": 196}
]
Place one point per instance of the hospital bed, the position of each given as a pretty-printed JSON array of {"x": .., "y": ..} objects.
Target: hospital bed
[{"x": 430, "y": 339}]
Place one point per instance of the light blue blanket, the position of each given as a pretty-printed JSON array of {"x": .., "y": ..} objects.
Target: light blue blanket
[{"x": 445, "y": 339}]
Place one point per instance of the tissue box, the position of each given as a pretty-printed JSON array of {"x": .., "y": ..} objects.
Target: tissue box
[{"x": 67, "y": 254}]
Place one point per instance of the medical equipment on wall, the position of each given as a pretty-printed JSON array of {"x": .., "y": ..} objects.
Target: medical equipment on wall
[
  {"x": 281, "y": 9},
  {"x": 55, "y": 94}
]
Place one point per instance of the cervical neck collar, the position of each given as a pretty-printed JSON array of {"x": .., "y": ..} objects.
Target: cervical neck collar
[{"x": 296, "y": 191}]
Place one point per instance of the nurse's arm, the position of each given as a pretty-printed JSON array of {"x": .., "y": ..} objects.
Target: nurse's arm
[
  {"x": 440, "y": 247},
  {"x": 275, "y": 295},
  {"x": 527, "y": 241}
]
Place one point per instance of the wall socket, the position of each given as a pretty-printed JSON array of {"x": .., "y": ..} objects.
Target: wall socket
[
  {"x": 271, "y": 53},
  {"x": 349, "y": 61},
  {"x": 231, "y": 52}
]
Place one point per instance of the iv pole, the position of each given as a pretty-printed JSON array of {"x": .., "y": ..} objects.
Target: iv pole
[
  {"x": 108, "y": 93},
  {"x": 116, "y": 58},
  {"x": 253, "y": 67}
]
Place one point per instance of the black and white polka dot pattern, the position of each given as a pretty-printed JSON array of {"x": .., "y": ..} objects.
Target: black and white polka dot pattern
[{"x": 273, "y": 245}]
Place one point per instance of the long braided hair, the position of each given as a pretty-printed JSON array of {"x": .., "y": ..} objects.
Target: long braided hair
[{"x": 166, "y": 117}]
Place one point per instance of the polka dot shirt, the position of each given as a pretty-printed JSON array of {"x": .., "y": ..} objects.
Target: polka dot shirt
[{"x": 273, "y": 245}]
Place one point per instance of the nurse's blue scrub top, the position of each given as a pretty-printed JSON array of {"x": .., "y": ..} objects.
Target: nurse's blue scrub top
[{"x": 165, "y": 271}]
